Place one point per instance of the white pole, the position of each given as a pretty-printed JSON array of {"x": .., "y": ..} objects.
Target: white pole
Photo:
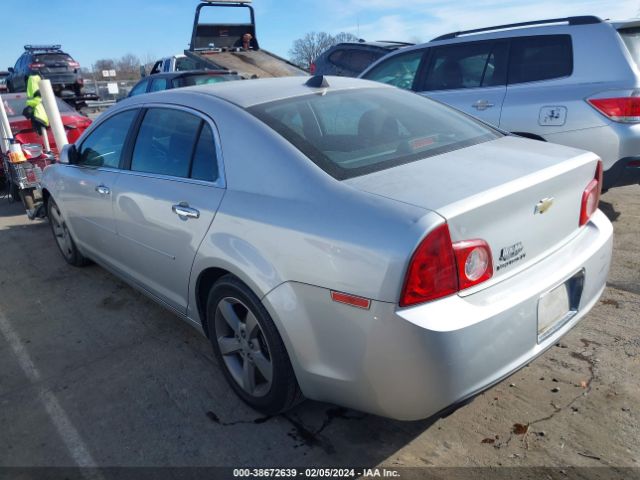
[
  {"x": 45, "y": 140},
  {"x": 51, "y": 107},
  {"x": 5, "y": 128}
]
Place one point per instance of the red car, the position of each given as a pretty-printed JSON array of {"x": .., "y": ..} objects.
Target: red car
[{"x": 14, "y": 103}]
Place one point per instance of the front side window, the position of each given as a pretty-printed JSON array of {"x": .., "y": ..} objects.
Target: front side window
[
  {"x": 399, "y": 70},
  {"x": 540, "y": 58},
  {"x": 354, "y": 132},
  {"x": 165, "y": 142},
  {"x": 104, "y": 145},
  {"x": 469, "y": 65}
]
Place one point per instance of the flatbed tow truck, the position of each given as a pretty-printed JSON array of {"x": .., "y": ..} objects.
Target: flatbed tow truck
[{"x": 220, "y": 46}]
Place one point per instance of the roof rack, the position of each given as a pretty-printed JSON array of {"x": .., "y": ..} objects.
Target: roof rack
[
  {"x": 44, "y": 48},
  {"x": 396, "y": 42},
  {"x": 582, "y": 20}
]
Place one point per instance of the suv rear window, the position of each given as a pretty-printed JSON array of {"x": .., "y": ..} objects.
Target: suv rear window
[
  {"x": 540, "y": 58},
  {"x": 52, "y": 58},
  {"x": 356, "y": 132},
  {"x": 631, "y": 38}
]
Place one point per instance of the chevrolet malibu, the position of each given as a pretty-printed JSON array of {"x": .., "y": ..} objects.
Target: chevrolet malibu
[{"x": 336, "y": 239}]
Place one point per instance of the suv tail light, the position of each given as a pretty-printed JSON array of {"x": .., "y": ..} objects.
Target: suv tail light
[
  {"x": 439, "y": 268},
  {"x": 312, "y": 68},
  {"x": 622, "y": 109},
  {"x": 36, "y": 65},
  {"x": 591, "y": 196},
  {"x": 74, "y": 64}
]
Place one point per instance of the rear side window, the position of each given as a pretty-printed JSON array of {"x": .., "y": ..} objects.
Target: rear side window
[
  {"x": 354, "y": 132},
  {"x": 205, "y": 158},
  {"x": 158, "y": 85},
  {"x": 361, "y": 59},
  {"x": 103, "y": 147},
  {"x": 540, "y": 58},
  {"x": 165, "y": 142},
  {"x": 399, "y": 70},
  {"x": 469, "y": 65}
]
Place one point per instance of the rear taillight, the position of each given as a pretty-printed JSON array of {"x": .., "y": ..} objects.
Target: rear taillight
[
  {"x": 35, "y": 66},
  {"x": 32, "y": 150},
  {"x": 591, "y": 196},
  {"x": 440, "y": 268},
  {"x": 73, "y": 64},
  {"x": 312, "y": 68},
  {"x": 475, "y": 264},
  {"x": 622, "y": 109}
]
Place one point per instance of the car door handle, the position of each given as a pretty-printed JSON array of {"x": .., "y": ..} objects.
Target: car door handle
[
  {"x": 482, "y": 105},
  {"x": 103, "y": 190},
  {"x": 183, "y": 210}
]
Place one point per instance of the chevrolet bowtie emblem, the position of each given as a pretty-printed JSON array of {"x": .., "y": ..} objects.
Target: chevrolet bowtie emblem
[{"x": 543, "y": 205}]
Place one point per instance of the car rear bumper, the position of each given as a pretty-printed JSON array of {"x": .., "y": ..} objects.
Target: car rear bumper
[
  {"x": 412, "y": 363},
  {"x": 58, "y": 79}
]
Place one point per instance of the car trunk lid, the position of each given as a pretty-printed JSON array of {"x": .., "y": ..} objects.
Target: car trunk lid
[{"x": 522, "y": 197}]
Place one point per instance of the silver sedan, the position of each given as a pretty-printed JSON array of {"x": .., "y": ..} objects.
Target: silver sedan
[{"x": 337, "y": 239}]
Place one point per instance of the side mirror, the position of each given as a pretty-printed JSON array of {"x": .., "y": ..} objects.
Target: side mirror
[
  {"x": 10, "y": 69},
  {"x": 69, "y": 154}
]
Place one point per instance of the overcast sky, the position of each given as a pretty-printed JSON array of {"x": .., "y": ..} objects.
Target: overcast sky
[{"x": 92, "y": 29}]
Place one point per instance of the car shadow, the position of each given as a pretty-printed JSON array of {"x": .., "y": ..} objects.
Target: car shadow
[{"x": 609, "y": 210}]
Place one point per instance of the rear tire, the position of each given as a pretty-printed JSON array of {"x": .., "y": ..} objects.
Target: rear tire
[
  {"x": 62, "y": 237},
  {"x": 14, "y": 192},
  {"x": 249, "y": 348}
]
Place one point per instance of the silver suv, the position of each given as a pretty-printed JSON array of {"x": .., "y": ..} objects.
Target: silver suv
[{"x": 573, "y": 81}]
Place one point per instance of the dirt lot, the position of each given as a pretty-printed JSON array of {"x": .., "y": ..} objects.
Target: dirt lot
[{"x": 93, "y": 373}]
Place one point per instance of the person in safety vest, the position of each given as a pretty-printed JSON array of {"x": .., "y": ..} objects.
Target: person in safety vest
[{"x": 34, "y": 110}]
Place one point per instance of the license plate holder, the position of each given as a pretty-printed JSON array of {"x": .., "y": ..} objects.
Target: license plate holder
[{"x": 559, "y": 305}]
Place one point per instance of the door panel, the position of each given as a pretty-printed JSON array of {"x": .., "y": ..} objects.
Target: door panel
[
  {"x": 157, "y": 245},
  {"x": 89, "y": 212},
  {"x": 88, "y": 185},
  {"x": 163, "y": 206},
  {"x": 469, "y": 76},
  {"x": 484, "y": 103}
]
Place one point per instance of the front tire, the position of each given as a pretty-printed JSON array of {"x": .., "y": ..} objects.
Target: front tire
[
  {"x": 249, "y": 348},
  {"x": 62, "y": 236}
]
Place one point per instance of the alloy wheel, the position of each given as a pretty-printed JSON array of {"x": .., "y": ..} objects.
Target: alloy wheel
[{"x": 243, "y": 347}]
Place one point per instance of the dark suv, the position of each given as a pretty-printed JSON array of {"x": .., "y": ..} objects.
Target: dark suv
[
  {"x": 50, "y": 62},
  {"x": 350, "y": 59}
]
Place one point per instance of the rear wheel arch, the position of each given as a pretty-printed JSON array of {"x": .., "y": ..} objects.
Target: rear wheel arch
[{"x": 206, "y": 280}]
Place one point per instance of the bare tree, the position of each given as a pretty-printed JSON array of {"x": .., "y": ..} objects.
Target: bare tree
[
  {"x": 306, "y": 49},
  {"x": 104, "y": 64},
  {"x": 128, "y": 67}
]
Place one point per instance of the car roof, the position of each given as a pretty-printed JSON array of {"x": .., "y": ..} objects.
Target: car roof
[
  {"x": 258, "y": 91},
  {"x": 189, "y": 73},
  {"x": 385, "y": 44}
]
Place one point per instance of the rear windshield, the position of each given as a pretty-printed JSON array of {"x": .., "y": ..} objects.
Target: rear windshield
[
  {"x": 52, "y": 58},
  {"x": 192, "y": 80},
  {"x": 631, "y": 38},
  {"x": 355, "y": 132},
  {"x": 15, "y": 106}
]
